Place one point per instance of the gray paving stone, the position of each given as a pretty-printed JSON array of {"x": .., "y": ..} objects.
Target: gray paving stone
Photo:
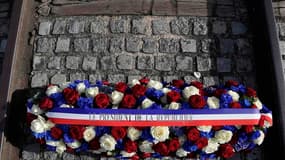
[
  {"x": 226, "y": 46},
  {"x": 203, "y": 64},
  {"x": 107, "y": 63},
  {"x": 145, "y": 62},
  {"x": 94, "y": 77},
  {"x": 89, "y": 63},
  {"x": 188, "y": 45},
  {"x": 27, "y": 155},
  {"x": 149, "y": 45},
  {"x": 180, "y": 26},
  {"x": 200, "y": 27},
  {"x": 164, "y": 63},
  {"x": 76, "y": 26},
  {"x": 189, "y": 78},
  {"x": 58, "y": 78},
  {"x": 76, "y": 76},
  {"x": 119, "y": 25},
  {"x": 44, "y": 28},
  {"x": 238, "y": 28},
  {"x": 125, "y": 62},
  {"x": 133, "y": 44},
  {"x": 169, "y": 78},
  {"x": 49, "y": 155},
  {"x": 59, "y": 26},
  {"x": 81, "y": 45},
  {"x": 210, "y": 80},
  {"x": 69, "y": 156},
  {"x": 99, "y": 25},
  {"x": 62, "y": 44},
  {"x": 3, "y": 44},
  {"x": 44, "y": 10},
  {"x": 244, "y": 65},
  {"x": 225, "y": 11},
  {"x": 160, "y": 27},
  {"x": 39, "y": 63},
  {"x": 86, "y": 157},
  {"x": 206, "y": 45},
  {"x": 39, "y": 80},
  {"x": 224, "y": 64},
  {"x": 168, "y": 45},
  {"x": 100, "y": 44},
  {"x": 184, "y": 63},
  {"x": 282, "y": 47},
  {"x": 138, "y": 26},
  {"x": 4, "y": 7},
  {"x": 45, "y": 45},
  {"x": 219, "y": 27},
  {"x": 72, "y": 62},
  {"x": 116, "y": 45},
  {"x": 54, "y": 62},
  {"x": 281, "y": 29},
  {"x": 244, "y": 47},
  {"x": 115, "y": 78}
]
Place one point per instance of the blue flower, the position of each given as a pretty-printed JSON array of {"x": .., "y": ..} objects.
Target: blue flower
[
  {"x": 67, "y": 138},
  {"x": 226, "y": 98},
  {"x": 100, "y": 131},
  {"x": 85, "y": 103},
  {"x": 153, "y": 93},
  {"x": 120, "y": 144},
  {"x": 255, "y": 135},
  {"x": 190, "y": 147},
  {"x": 185, "y": 105},
  {"x": 207, "y": 134},
  {"x": 146, "y": 135},
  {"x": 50, "y": 148},
  {"x": 178, "y": 131},
  {"x": 83, "y": 147},
  {"x": 230, "y": 128},
  {"x": 245, "y": 102},
  {"x": 155, "y": 106},
  {"x": 234, "y": 88},
  {"x": 39, "y": 135},
  {"x": 242, "y": 88}
]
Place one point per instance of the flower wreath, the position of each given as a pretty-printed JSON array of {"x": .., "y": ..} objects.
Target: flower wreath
[{"x": 235, "y": 119}]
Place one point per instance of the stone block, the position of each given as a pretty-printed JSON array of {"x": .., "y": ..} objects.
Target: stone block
[
  {"x": 116, "y": 45},
  {"x": 188, "y": 45},
  {"x": 3, "y": 44},
  {"x": 180, "y": 26},
  {"x": 99, "y": 25},
  {"x": 225, "y": 11},
  {"x": 4, "y": 7},
  {"x": 168, "y": 45},
  {"x": 160, "y": 26},
  {"x": 94, "y": 77},
  {"x": 69, "y": 156},
  {"x": 210, "y": 81},
  {"x": 119, "y": 25},
  {"x": 76, "y": 76},
  {"x": 59, "y": 26},
  {"x": 39, "y": 80},
  {"x": 125, "y": 62},
  {"x": 281, "y": 28},
  {"x": 164, "y": 63},
  {"x": 226, "y": 46},
  {"x": 184, "y": 63},
  {"x": 39, "y": 63},
  {"x": 139, "y": 26},
  {"x": 169, "y": 78},
  {"x": 62, "y": 44},
  {"x": 45, "y": 45},
  {"x": 107, "y": 63},
  {"x": 203, "y": 64},
  {"x": 238, "y": 28},
  {"x": 115, "y": 78},
  {"x": 206, "y": 45},
  {"x": 76, "y": 26},
  {"x": 49, "y": 155},
  {"x": 28, "y": 155},
  {"x": 89, "y": 63},
  {"x": 244, "y": 47},
  {"x": 282, "y": 47},
  {"x": 81, "y": 45},
  {"x": 58, "y": 79},
  {"x": 72, "y": 62},
  {"x": 44, "y": 28},
  {"x": 54, "y": 62},
  {"x": 200, "y": 27},
  {"x": 189, "y": 78},
  {"x": 219, "y": 27},
  {"x": 149, "y": 45},
  {"x": 145, "y": 62},
  {"x": 133, "y": 44},
  {"x": 244, "y": 65},
  {"x": 224, "y": 65},
  {"x": 100, "y": 44}
]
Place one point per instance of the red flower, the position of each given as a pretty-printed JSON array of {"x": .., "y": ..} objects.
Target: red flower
[
  {"x": 121, "y": 87},
  {"x": 226, "y": 151},
  {"x": 161, "y": 148},
  {"x": 129, "y": 101},
  {"x": 231, "y": 83},
  {"x": 118, "y": 132},
  {"x": 135, "y": 157},
  {"x": 138, "y": 90},
  {"x": 216, "y": 128},
  {"x": 76, "y": 132},
  {"x": 248, "y": 128},
  {"x": 173, "y": 144},
  {"x": 70, "y": 95},
  {"x": 130, "y": 146},
  {"x": 144, "y": 80},
  {"x": 30, "y": 118},
  {"x": 235, "y": 105},
  {"x": 219, "y": 92},
  {"x": 173, "y": 96},
  {"x": 197, "y": 101},
  {"x": 102, "y": 100},
  {"x": 250, "y": 92},
  {"x": 56, "y": 133},
  {"x": 178, "y": 83},
  {"x": 202, "y": 142},
  {"x": 41, "y": 141},
  {"x": 193, "y": 134},
  {"x": 106, "y": 83},
  {"x": 197, "y": 84},
  {"x": 145, "y": 155},
  {"x": 46, "y": 103},
  {"x": 94, "y": 144}
]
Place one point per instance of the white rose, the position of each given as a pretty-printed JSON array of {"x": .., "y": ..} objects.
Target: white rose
[
  {"x": 91, "y": 92},
  {"x": 127, "y": 154},
  {"x": 213, "y": 102},
  {"x": 257, "y": 103},
  {"x": 204, "y": 128},
  {"x": 160, "y": 133},
  {"x": 74, "y": 145},
  {"x": 38, "y": 125},
  {"x": 48, "y": 125},
  {"x": 223, "y": 136},
  {"x": 116, "y": 97},
  {"x": 260, "y": 139},
  {"x": 52, "y": 143},
  {"x": 52, "y": 89},
  {"x": 107, "y": 142},
  {"x": 174, "y": 105},
  {"x": 133, "y": 133},
  {"x": 181, "y": 153},
  {"x": 89, "y": 133},
  {"x": 66, "y": 106},
  {"x": 154, "y": 84},
  {"x": 211, "y": 147},
  {"x": 64, "y": 85},
  {"x": 146, "y": 103},
  {"x": 36, "y": 110},
  {"x": 80, "y": 87},
  {"x": 61, "y": 147},
  {"x": 134, "y": 82},
  {"x": 146, "y": 147},
  {"x": 190, "y": 91},
  {"x": 235, "y": 95}
]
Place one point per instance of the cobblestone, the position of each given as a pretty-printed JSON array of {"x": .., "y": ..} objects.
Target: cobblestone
[
  {"x": 62, "y": 44},
  {"x": 219, "y": 27},
  {"x": 94, "y": 77},
  {"x": 45, "y": 45},
  {"x": 3, "y": 44},
  {"x": 76, "y": 26},
  {"x": 238, "y": 28},
  {"x": 48, "y": 155},
  {"x": 116, "y": 45},
  {"x": 226, "y": 46},
  {"x": 125, "y": 62},
  {"x": 99, "y": 25},
  {"x": 281, "y": 28},
  {"x": 168, "y": 45},
  {"x": 54, "y": 62},
  {"x": 107, "y": 63},
  {"x": 203, "y": 64},
  {"x": 160, "y": 27},
  {"x": 206, "y": 45},
  {"x": 200, "y": 27},
  {"x": 39, "y": 80},
  {"x": 180, "y": 26},
  {"x": 69, "y": 156},
  {"x": 244, "y": 65},
  {"x": 164, "y": 63},
  {"x": 223, "y": 64},
  {"x": 44, "y": 28},
  {"x": 58, "y": 79},
  {"x": 59, "y": 26},
  {"x": 116, "y": 78},
  {"x": 145, "y": 62},
  {"x": 210, "y": 80},
  {"x": 138, "y": 26},
  {"x": 72, "y": 62},
  {"x": 149, "y": 45},
  {"x": 39, "y": 63},
  {"x": 119, "y": 25},
  {"x": 189, "y": 79},
  {"x": 76, "y": 76},
  {"x": 133, "y": 44},
  {"x": 244, "y": 47},
  {"x": 132, "y": 77},
  {"x": 184, "y": 63},
  {"x": 81, "y": 45},
  {"x": 188, "y": 45},
  {"x": 169, "y": 78},
  {"x": 100, "y": 44},
  {"x": 89, "y": 63}
]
